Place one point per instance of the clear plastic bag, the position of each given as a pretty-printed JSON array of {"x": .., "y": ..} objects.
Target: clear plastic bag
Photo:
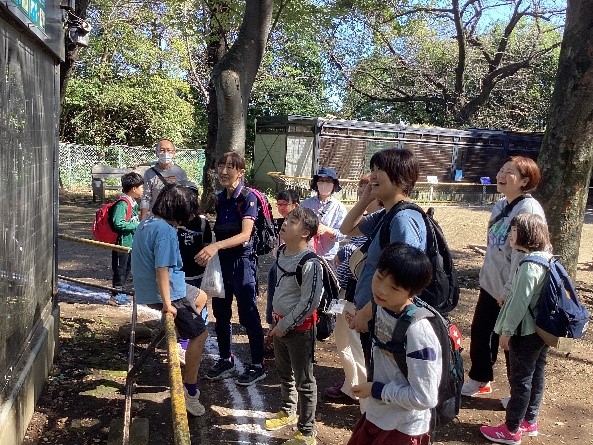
[{"x": 212, "y": 282}]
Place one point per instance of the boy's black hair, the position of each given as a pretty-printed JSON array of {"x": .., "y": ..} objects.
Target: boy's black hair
[
  {"x": 193, "y": 187},
  {"x": 176, "y": 203},
  {"x": 407, "y": 266},
  {"x": 289, "y": 195},
  {"x": 401, "y": 167},
  {"x": 131, "y": 180},
  {"x": 308, "y": 218}
]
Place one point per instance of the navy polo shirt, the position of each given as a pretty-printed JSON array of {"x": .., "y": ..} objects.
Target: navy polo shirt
[{"x": 230, "y": 213}]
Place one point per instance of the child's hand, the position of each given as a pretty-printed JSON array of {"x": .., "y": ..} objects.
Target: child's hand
[
  {"x": 360, "y": 321},
  {"x": 171, "y": 309},
  {"x": 206, "y": 254},
  {"x": 504, "y": 342},
  {"x": 277, "y": 332},
  {"x": 363, "y": 390}
]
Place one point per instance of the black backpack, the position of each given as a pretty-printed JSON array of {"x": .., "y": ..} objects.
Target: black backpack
[
  {"x": 326, "y": 322},
  {"x": 452, "y": 374},
  {"x": 560, "y": 314},
  {"x": 443, "y": 291},
  {"x": 264, "y": 235}
]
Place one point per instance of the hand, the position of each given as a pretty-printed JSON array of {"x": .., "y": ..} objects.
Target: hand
[
  {"x": 276, "y": 331},
  {"x": 171, "y": 309},
  {"x": 323, "y": 229},
  {"x": 359, "y": 322},
  {"x": 206, "y": 254},
  {"x": 504, "y": 342},
  {"x": 336, "y": 261},
  {"x": 363, "y": 390},
  {"x": 500, "y": 301}
]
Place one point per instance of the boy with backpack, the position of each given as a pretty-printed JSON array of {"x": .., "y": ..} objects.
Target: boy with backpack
[
  {"x": 294, "y": 311},
  {"x": 400, "y": 400},
  {"x": 123, "y": 219}
]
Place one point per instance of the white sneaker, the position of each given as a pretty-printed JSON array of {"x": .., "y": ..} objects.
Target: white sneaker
[
  {"x": 472, "y": 388},
  {"x": 192, "y": 403},
  {"x": 181, "y": 354},
  {"x": 505, "y": 402}
]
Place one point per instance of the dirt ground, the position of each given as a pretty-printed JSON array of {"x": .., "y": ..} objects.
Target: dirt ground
[{"x": 85, "y": 391}]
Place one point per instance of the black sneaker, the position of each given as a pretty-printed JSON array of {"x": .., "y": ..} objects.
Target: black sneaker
[
  {"x": 251, "y": 375},
  {"x": 223, "y": 369}
]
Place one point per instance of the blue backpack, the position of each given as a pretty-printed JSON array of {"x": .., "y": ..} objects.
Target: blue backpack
[{"x": 559, "y": 311}]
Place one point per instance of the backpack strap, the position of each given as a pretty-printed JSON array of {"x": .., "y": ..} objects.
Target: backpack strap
[
  {"x": 161, "y": 177},
  {"x": 385, "y": 226},
  {"x": 507, "y": 209},
  {"x": 299, "y": 269},
  {"x": 542, "y": 262}
]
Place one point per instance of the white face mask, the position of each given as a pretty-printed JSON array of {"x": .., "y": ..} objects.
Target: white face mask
[
  {"x": 325, "y": 188},
  {"x": 165, "y": 158}
]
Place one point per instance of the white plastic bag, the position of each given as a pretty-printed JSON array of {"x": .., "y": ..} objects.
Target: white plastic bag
[{"x": 212, "y": 282}]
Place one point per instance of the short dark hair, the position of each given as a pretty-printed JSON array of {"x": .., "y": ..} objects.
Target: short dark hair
[
  {"x": 289, "y": 195},
  {"x": 401, "y": 167},
  {"x": 408, "y": 267},
  {"x": 308, "y": 218},
  {"x": 131, "y": 180},
  {"x": 527, "y": 169},
  {"x": 233, "y": 158},
  {"x": 532, "y": 232},
  {"x": 176, "y": 203}
]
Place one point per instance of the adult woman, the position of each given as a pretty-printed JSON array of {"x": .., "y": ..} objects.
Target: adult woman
[
  {"x": 517, "y": 177},
  {"x": 330, "y": 212},
  {"x": 236, "y": 211}
]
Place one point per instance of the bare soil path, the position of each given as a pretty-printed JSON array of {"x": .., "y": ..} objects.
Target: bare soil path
[{"x": 85, "y": 391}]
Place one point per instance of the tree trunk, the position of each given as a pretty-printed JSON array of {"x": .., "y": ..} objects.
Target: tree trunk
[
  {"x": 235, "y": 73},
  {"x": 566, "y": 156}
]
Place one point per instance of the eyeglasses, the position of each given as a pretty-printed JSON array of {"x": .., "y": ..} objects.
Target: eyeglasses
[{"x": 227, "y": 166}]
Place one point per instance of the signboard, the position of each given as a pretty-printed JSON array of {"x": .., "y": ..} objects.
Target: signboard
[{"x": 34, "y": 10}]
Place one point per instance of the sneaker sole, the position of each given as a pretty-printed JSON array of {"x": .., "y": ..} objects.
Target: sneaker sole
[
  {"x": 225, "y": 375},
  {"x": 478, "y": 393},
  {"x": 261, "y": 377}
]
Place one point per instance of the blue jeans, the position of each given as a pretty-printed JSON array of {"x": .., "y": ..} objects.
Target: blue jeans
[
  {"x": 527, "y": 360},
  {"x": 240, "y": 279}
]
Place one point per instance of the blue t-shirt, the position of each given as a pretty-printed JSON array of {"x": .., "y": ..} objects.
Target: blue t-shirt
[
  {"x": 407, "y": 226},
  {"x": 156, "y": 245},
  {"x": 230, "y": 213}
]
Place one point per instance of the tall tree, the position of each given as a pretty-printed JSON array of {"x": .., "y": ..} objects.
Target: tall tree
[{"x": 566, "y": 156}]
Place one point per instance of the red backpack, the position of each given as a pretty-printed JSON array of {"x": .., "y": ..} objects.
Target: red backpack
[{"x": 102, "y": 228}]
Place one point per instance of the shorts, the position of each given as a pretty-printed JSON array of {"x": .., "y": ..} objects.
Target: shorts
[{"x": 189, "y": 322}]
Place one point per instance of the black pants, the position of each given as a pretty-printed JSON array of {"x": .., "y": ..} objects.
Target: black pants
[
  {"x": 121, "y": 265},
  {"x": 483, "y": 348}
]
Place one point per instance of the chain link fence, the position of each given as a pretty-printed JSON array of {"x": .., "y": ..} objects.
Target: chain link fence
[{"x": 76, "y": 161}]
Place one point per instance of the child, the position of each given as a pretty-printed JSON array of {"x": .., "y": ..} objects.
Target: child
[
  {"x": 294, "y": 334},
  {"x": 286, "y": 201},
  {"x": 132, "y": 186},
  {"x": 516, "y": 327},
  {"x": 193, "y": 236},
  {"x": 399, "y": 409},
  {"x": 159, "y": 281}
]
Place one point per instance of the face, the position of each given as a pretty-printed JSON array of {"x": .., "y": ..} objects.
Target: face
[
  {"x": 325, "y": 187},
  {"x": 228, "y": 175},
  {"x": 509, "y": 181},
  {"x": 136, "y": 192},
  {"x": 381, "y": 186},
  {"x": 387, "y": 294},
  {"x": 285, "y": 207},
  {"x": 292, "y": 230}
]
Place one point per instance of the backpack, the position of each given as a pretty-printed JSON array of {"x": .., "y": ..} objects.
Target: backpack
[
  {"x": 452, "y": 374},
  {"x": 560, "y": 314},
  {"x": 443, "y": 291},
  {"x": 103, "y": 225},
  {"x": 265, "y": 237},
  {"x": 326, "y": 321}
]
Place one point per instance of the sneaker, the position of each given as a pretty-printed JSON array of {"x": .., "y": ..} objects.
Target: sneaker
[
  {"x": 531, "y": 429},
  {"x": 505, "y": 402},
  {"x": 280, "y": 420},
  {"x": 193, "y": 405},
  {"x": 181, "y": 354},
  {"x": 251, "y": 375},
  {"x": 223, "y": 369},
  {"x": 472, "y": 388},
  {"x": 300, "y": 439},
  {"x": 501, "y": 434}
]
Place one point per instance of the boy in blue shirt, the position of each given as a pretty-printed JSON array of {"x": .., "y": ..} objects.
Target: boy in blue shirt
[{"x": 159, "y": 281}]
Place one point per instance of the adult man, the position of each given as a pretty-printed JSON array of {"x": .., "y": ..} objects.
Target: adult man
[{"x": 164, "y": 172}]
